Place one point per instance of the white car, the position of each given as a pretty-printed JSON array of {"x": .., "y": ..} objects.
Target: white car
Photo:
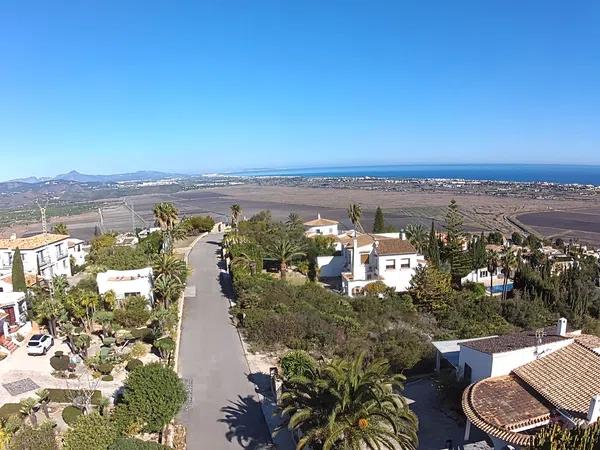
[{"x": 39, "y": 344}]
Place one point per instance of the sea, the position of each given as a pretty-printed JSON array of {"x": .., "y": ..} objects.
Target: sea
[{"x": 550, "y": 173}]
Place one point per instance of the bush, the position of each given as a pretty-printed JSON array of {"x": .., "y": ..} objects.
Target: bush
[
  {"x": 90, "y": 432},
  {"x": 104, "y": 368},
  {"x": 133, "y": 364},
  {"x": 199, "y": 224},
  {"x": 8, "y": 409},
  {"x": 67, "y": 395},
  {"x": 108, "y": 378},
  {"x": 138, "y": 350},
  {"x": 70, "y": 414},
  {"x": 154, "y": 394},
  {"x": 297, "y": 362},
  {"x": 60, "y": 363},
  {"x": 41, "y": 438},
  {"x": 59, "y": 353},
  {"x": 136, "y": 444},
  {"x": 135, "y": 312}
]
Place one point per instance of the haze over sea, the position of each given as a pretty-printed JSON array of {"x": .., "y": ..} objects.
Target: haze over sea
[{"x": 552, "y": 173}]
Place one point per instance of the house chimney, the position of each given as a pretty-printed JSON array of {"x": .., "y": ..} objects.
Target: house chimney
[
  {"x": 402, "y": 235},
  {"x": 355, "y": 257},
  {"x": 594, "y": 411},
  {"x": 318, "y": 216},
  {"x": 13, "y": 237},
  {"x": 561, "y": 327}
]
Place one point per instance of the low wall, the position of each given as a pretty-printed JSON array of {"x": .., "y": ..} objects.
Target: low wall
[{"x": 330, "y": 266}]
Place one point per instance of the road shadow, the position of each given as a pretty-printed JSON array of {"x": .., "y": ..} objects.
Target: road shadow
[
  {"x": 246, "y": 424},
  {"x": 262, "y": 383}
]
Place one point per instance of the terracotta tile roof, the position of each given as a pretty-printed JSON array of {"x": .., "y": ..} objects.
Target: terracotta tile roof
[
  {"x": 32, "y": 242},
  {"x": 514, "y": 341},
  {"x": 567, "y": 378},
  {"x": 361, "y": 239},
  {"x": 395, "y": 247},
  {"x": 320, "y": 222},
  {"x": 30, "y": 279},
  {"x": 588, "y": 340},
  {"x": 500, "y": 405}
]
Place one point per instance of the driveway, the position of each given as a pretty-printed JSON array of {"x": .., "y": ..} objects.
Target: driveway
[{"x": 223, "y": 412}]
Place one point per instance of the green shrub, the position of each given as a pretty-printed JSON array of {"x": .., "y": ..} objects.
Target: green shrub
[
  {"x": 109, "y": 341},
  {"x": 108, "y": 378},
  {"x": 60, "y": 363},
  {"x": 104, "y": 368},
  {"x": 133, "y": 364},
  {"x": 67, "y": 396},
  {"x": 141, "y": 333},
  {"x": 90, "y": 432},
  {"x": 59, "y": 353},
  {"x": 8, "y": 409},
  {"x": 135, "y": 312},
  {"x": 297, "y": 362},
  {"x": 136, "y": 444},
  {"x": 138, "y": 350},
  {"x": 154, "y": 394},
  {"x": 70, "y": 414}
]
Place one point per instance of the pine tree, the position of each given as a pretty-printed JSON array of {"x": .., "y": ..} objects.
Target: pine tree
[
  {"x": 379, "y": 223},
  {"x": 459, "y": 261},
  {"x": 18, "y": 274},
  {"x": 433, "y": 248}
]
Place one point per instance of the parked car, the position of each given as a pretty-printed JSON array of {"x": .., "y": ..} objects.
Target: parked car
[{"x": 39, "y": 344}]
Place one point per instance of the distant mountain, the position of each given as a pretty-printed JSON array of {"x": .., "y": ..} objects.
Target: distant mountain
[{"x": 142, "y": 175}]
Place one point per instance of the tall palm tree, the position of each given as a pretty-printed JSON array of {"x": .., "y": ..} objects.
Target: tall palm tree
[
  {"x": 168, "y": 289},
  {"x": 293, "y": 220},
  {"x": 167, "y": 216},
  {"x": 417, "y": 236},
  {"x": 165, "y": 265},
  {"x": 28, "y": 407},
  {"x": 354, "y": 214},
  {"x": 350, "y": 405},
  {"x": 509, "y": 262},
  {"x": 284, "y": 250},
  {"x": 236, "y": 212},
  {"x": 492, "y": 265}
]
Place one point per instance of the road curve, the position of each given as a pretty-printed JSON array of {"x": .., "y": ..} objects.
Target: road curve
[{"x": 223, "y": 412}]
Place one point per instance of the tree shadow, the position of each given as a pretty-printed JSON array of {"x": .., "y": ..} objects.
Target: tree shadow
[
  {"x": 246, "y": 424},
  {"x": 262, "y": 381}
]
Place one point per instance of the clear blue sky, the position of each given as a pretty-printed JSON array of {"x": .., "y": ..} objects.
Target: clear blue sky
[{"x": 111, "y": 86}]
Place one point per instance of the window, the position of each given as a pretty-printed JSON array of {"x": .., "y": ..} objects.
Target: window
[
  {"x": 132, "y": 294},
  {"x": 483, "y": 273},
  {"x": 356, "y": 290},
  {"x": 405, "y": 263},
  {"x": 390, "y": 264}
]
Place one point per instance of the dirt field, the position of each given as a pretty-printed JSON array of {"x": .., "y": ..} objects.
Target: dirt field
[{"x": 576, "y": 218}]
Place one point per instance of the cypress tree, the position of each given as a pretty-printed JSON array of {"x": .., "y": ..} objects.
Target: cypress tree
[
  {"x": 379, "y": 223},
  {"x": 433, "y": 248},
  {"x": 18, "y": 274}
]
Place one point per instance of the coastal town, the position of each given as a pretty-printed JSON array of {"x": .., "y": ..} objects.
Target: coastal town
[{"x": 462, "y": 319}]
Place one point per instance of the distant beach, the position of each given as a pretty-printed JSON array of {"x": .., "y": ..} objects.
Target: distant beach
[{"x": 550, "y": 173}]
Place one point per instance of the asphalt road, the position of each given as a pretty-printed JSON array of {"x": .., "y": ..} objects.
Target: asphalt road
[{"x": 223, "y": 412}]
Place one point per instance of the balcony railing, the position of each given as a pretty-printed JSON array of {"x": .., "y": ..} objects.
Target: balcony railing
[{"x": 43, "y": 260}]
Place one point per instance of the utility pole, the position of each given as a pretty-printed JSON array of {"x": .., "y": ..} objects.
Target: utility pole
[{"x": 45, "y": 232}]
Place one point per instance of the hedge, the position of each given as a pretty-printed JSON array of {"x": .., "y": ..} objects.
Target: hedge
[
  {"x": 67, "y": 395},
  {"x": 136, "y": 444},
  {"x": 70, "y": 414},
  {"x": 8, "y": 409}
]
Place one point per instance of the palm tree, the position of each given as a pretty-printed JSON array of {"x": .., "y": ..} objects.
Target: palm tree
[
  {"x": 168, "y": 288},
  {"x": 165, "y": 265},
  {"x": 60, "y": 228},
  {"x": 50, "y": 310},
  {"x": 351, "y": 405},
  {"x": 43, "y": 398},
  {"x": 166, "y": 216},
  {"x": 284, "y": 250},
  {"x": 492, "y": 265},
  {"x": 509, "y": 262},
  {"x": 82, "y": 343},
  {"x": 417, "y": 236},
  {"x": 354, "y": 214},
  {"x": 236, "y": 212},
  {"x": 28, "y": 407},
  {"x": 293, "y": 221},
  {"x": 68, "y": 329}
]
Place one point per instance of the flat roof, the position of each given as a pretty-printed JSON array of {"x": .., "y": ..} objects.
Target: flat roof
[{"x": 515, "y": 341}]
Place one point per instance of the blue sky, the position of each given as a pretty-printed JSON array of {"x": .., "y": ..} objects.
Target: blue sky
[{"x": 113, "y": 86}]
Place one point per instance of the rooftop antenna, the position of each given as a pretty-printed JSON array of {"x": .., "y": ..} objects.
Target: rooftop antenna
[
  {"x": 539, "y": 338},
  {"x": 45, "y": 233}
]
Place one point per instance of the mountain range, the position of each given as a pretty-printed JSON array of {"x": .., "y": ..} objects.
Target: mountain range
[{"x": 141, "y": 175}]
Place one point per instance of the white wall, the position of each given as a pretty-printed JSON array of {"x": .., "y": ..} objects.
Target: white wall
[
  {"x": 480, "y": 363},
  {"x": 504, "y": 363},
  {"x": 126, "y": 282},
  {"x": 327, "y": 230},
  {"x": 330, "y": 266},
  {"x": 398, "y": 278}
]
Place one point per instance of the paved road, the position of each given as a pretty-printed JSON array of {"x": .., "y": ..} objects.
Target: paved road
[{"x": 224, "y": 412}]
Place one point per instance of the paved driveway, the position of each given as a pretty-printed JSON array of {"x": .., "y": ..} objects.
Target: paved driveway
[{"x": 224, "y": 412}]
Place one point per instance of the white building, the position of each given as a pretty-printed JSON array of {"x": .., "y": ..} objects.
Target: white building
[
  {"x": 43, "y": 254},
  {"x": 13, "y": 317},
  {"x": 320, "y": 226},
  {"x": 126, "y": 283},
  {"x": 365, "y": 259},
  {"x": 6, "y": 283},
  {"x": 494, "y": 284},
  {"x": 77, "y": 250},
  {"x": 523, "y": 381}
]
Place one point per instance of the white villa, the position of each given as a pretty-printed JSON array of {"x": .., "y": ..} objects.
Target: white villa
[
  {"x": 494, "y": 285},
  {"x": 320, "y": 226},
  {"x": 126, "y": 283},
  {"x": 43, "y": 254},
  {"x": 365, "y": 258},
  {"x": 523, "y": 381},
  {"x": 77, "y": 250},
  {"x": 13, "y": 318}
]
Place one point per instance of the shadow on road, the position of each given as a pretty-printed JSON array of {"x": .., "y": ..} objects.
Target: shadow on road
[{"x": 241, "y": 417}]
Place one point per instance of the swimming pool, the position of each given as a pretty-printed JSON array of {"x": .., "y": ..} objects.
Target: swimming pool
[{"x": 499, "y": 288}]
